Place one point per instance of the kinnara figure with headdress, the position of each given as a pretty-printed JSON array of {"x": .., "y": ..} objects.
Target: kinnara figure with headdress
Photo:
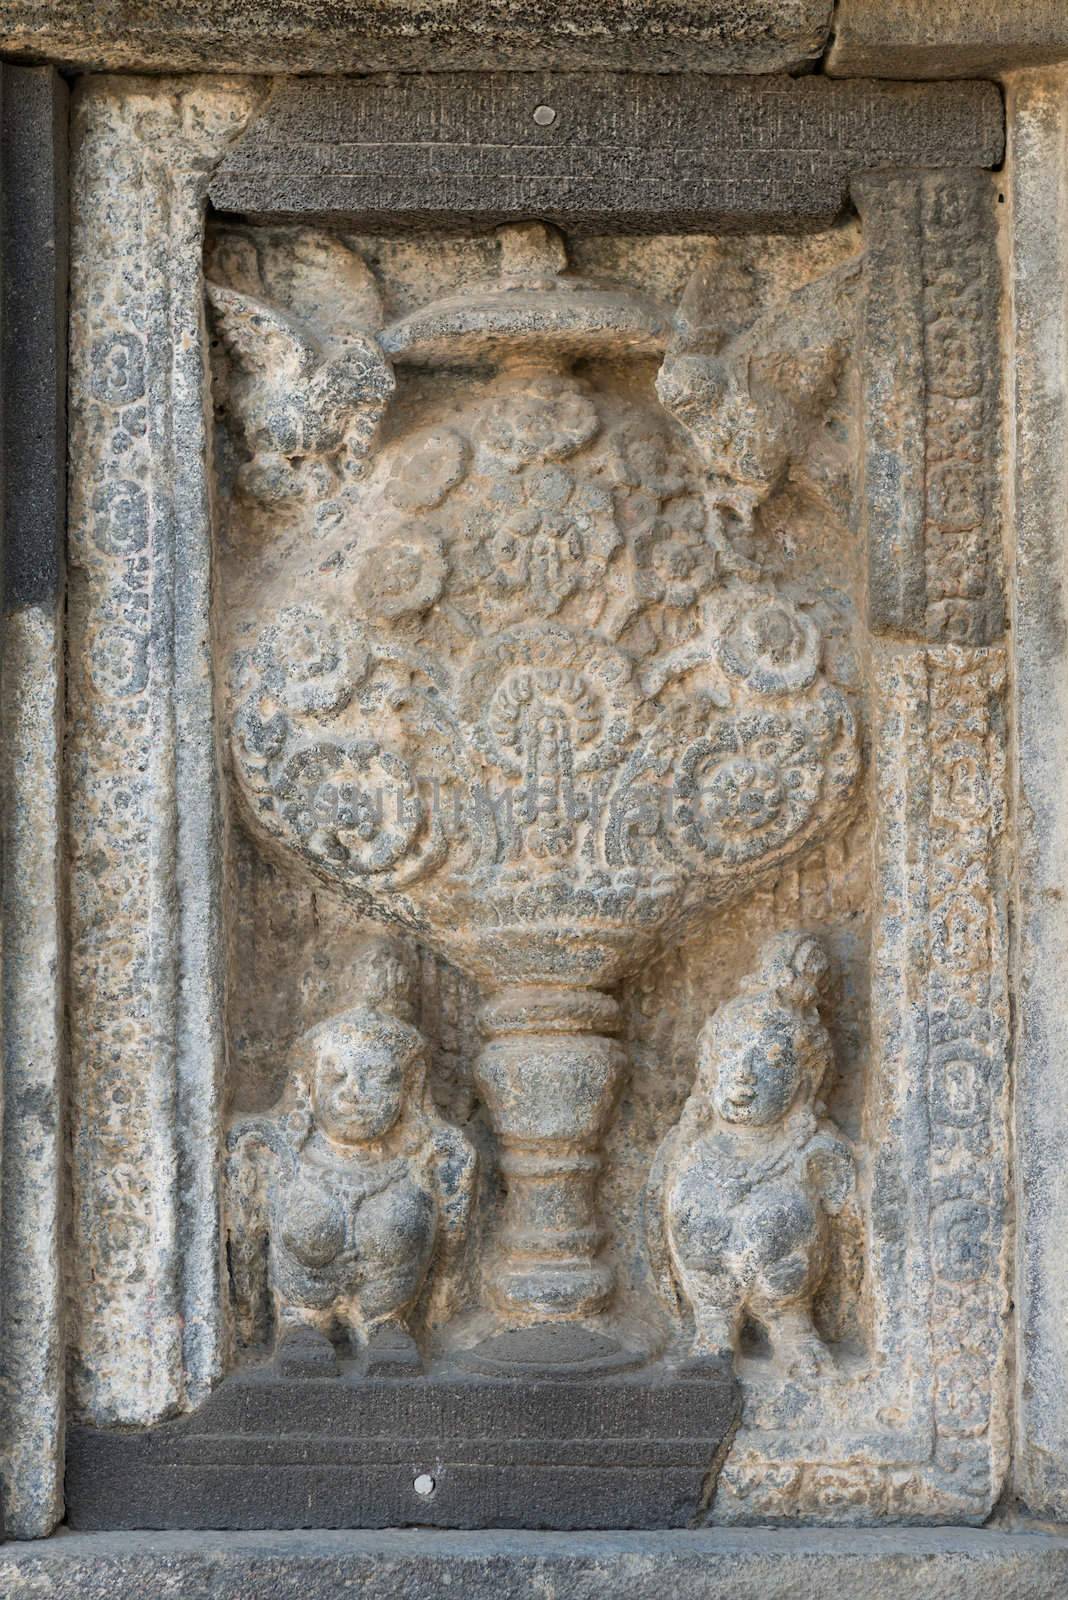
[
  {"x": 348, "y": 1198},
  {"x": 743, "y": 1186}
]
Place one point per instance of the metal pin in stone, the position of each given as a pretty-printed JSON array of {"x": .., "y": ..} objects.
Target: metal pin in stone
[{"x": 544, "y": 116}]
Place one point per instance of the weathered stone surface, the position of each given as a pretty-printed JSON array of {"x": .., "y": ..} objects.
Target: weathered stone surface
[
  {"x": 902, "y": 1564},
  {"x": 937, "y": 1134},
  {"x": 957, "y": 40},
  {"x": 353, "y": 1192},
  {"x": 33, "y": 195},
  {"x": 146, "y": 953},
  {"x": 455, "y": 149},
  {"x": 752, "y": 1164},
  {"x": 33, "y": 273},
  {"x": 931, "y": 407},
  {"x": 373, "y": 35},
  {"x": 542, "y": 631},
  {"x": 1039, "y": 408},
  {"x": 31, "y": 1331},
  {"x": 578, "y": 681}
]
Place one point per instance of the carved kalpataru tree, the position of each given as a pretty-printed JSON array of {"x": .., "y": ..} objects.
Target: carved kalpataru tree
[
  {"x": 743, "y": 1186},
  {"x": 505, "y": 680}
]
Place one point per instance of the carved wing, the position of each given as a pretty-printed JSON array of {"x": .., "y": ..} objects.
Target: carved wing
[
  {"x": 323, "y": 282},
  {"x": 457, "y": 1167},
  {"x": 751, "y": 399},
  {"x": 252, "y": 1152},
  {"x": 349, "y": 393},
  {"x": 266, "y": 342},
  {"x": 232, "y": 259},
  {"x": 296, "y": 399}
]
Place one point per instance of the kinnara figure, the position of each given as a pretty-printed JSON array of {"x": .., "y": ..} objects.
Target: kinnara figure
[
  {"x": 743, "y": 1186},
  {"x": 345, "y": 1202}
]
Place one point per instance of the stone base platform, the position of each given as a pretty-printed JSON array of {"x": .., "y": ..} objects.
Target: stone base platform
[
  {"x": 452, "y": 1450},
  {"x": 751, "y": 1564}
]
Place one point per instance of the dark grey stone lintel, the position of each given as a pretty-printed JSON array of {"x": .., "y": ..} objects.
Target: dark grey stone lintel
[
  {"x": 634, "y": 152},
  {"x": 451, "y": 1451}
]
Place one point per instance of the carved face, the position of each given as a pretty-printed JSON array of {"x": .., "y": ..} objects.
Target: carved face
[
  {"x": 359, "y": 1083},
  {"x": 755, "y": 1078}
]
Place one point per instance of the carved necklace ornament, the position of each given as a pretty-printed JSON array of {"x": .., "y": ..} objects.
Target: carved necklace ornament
[{"x": 510, "y": 684}]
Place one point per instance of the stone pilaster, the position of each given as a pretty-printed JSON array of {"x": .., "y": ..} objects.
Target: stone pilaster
[
  {"x": 146, "y": 932},
  {"x": 1037, "y": 196},
  {"x": 33, "y": 272}
]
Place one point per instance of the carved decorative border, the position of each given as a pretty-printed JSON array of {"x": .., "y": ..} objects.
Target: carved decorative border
[
  {"x": 923, "y": 1434},
  {"x": 144, "y": 843}
]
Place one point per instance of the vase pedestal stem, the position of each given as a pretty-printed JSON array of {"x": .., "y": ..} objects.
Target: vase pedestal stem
[{"x": 551, "y": 1074}]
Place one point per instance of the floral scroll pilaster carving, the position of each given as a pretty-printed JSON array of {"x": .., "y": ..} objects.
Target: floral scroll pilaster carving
[
  {"x": 968, "y": 1012},
  {"x": 930, "y": 343},
  {"x": 146, "y": 1052}
]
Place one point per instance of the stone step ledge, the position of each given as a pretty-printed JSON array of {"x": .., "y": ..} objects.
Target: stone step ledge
[{"x": 742, "y": 1564}]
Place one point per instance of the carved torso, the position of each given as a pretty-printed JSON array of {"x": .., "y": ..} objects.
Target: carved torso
[
  {"x": 740, "y": 1214},
  {"x": 344, "y": 1231},
  {"x": 746, "y": 1181}
]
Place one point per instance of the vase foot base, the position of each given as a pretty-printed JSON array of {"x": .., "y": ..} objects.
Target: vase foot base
[{"x": 549, "y": 1351}]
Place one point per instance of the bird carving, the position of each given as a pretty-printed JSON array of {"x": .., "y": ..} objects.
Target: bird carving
[
  {"x": 300, "y": 397},
  {"x": 751, "y": 387}
]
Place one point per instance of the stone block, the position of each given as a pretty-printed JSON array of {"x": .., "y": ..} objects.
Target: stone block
[
  {"x": 632, "y": 152},
  {"x": 1038, "y": 103},
  {"x": 573, "y": 868},
  {"x": 33, "y": 305},
  {"x": 755, "y": 36},
  {"x": 450, "y": 1451},
  {"x": 953, "y": 40},
  {"x": 33, "y": 195},
  {"x": 900, "y": 1564}
]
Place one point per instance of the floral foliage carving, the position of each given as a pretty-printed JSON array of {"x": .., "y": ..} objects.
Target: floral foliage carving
[{"x": 520, "y": 671}]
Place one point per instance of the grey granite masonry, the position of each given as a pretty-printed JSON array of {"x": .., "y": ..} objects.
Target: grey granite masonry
[
  {"x": 533, "y": 800},
  {"x": 712, "y": 36},
  {"x": 454, "y": 1451},
  {"x": 33, "y": 273}
]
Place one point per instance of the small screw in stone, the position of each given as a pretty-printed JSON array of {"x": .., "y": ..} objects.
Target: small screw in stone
[
  {"x": 424, "y": 1485},
  {"x": 544, "y": 116}
]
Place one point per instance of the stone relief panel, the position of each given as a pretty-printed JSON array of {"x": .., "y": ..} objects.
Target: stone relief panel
[
  {"x": 599, "y": 638},
  {"x": 541, "y": 633},
  {"x": 338, "y": 1202}
]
